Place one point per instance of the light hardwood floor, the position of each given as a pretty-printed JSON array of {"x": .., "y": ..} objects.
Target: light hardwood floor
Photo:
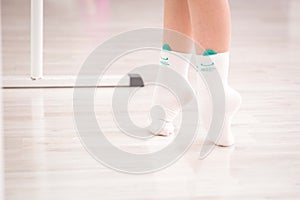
[{"x": 44, "y": 158}]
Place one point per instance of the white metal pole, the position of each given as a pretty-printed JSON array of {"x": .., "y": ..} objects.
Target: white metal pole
[
  {"x": 1, "y": 111},
  {"x": 36, "y": 39}
]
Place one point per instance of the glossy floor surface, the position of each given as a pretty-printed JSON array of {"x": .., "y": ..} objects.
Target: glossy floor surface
[{"x": 44, "y": 158}]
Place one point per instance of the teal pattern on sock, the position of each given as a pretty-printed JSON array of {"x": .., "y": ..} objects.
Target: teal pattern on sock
[
  {"x": 166, "y": 47},
  {"x": 164, "y": 60},
  {"x": 209, "y": 52}
]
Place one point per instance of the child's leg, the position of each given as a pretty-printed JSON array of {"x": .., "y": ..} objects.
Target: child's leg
[
  {"x": 176, "y": 19},
  {"x": 211, "y": 24},
  {"x": 210, "y": 21}
]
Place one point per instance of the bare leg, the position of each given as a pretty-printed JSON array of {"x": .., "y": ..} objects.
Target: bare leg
[
  {"x": 177, "y": 18},
  {"x": 211, "y": 24}
]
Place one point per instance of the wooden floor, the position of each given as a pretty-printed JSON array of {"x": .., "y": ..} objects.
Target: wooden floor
[{"x": 44, "y": 158}]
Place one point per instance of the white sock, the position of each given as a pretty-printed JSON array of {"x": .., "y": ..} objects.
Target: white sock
[
  {"x": 219, "y": 62},
  {"x": 177, "y": 62}
]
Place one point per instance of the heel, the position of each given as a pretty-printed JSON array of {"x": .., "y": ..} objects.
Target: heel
[{"x": 233, "y": 103}]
